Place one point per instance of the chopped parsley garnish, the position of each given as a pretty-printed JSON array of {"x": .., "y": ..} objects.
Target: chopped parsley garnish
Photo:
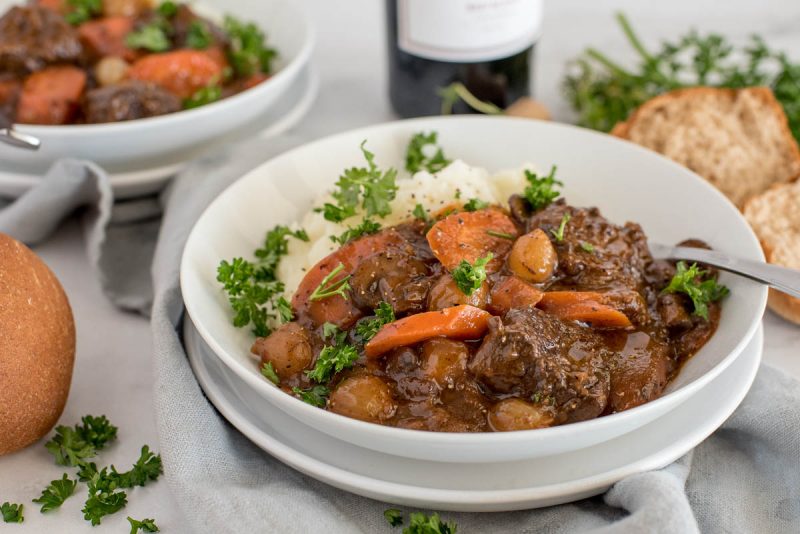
[
  {"x": 248, "y": 51},
  {"x": 269, "y": 372},
  {"x": 367, "y": 328},
  {"x": 254, "y": 292},
  {"x": 423, "y": 152},
  {"x": 475, "y": 204},
  {"x": 468, "y": 277},
  {"x": 152, "y": 37},
  {"x": 420, "y": 213},
  {"x": 145, "y": 525},
  {"x": 689, "y": 281},
  {"x": 421, "y": 524},
  {"x": 333, "y": 358},
  {"x": 375, "y": 189},
  {"x": 72, "y": 445},
  {"x": 367, "y": 227},
  {"x": 588, "y": 247},
  {"x": 501, "y": 235},
  {"x": 315, "y": 396},
  {"x": 204, "y": 95},
  {"x": 103, "y": 500},
  {"x": 167, "y": 9},
  {"x": 329, "y": 287},
  {"x": 12, "y": 513},
  {"x": 54, "y": 495},
  {"x": 83, "y": 10},
  {"x": 333, "y": 332},
  {"x": 146, "y": 469},
  {"x": 559, "y": 233},
  {"x": 198, "y": 36},
  {"x": 541, "y": 190},
  {"x": 393, "y": 516}
]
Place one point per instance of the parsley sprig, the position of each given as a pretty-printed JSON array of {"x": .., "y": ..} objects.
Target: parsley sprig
[
  {"x": 558, "y": 234},
  {"x": 144, "y": 525},
  {"x": 541, "y": 190},
  {"x": 420, "y": 213},
  {"x": 248, "y": 51},
  {"x": 203, "y": 96},
  {"x": 368, "y": 186},
  {"x": 333, "y": 358},
  {"x": 367, "y": 227},
  {"x": 603, "y": 92},
  {"x": 71, "y": 446},
  {"x": 54, "y": 495},
  {"x": 330, "y": 287},
  {"x": 269, "y": 372},
  {"x": 475, "y": 204},
  {"x": 152, "y": 37},
  {"x": 12, "y": 513},
  {"x": 367, "y": 328},
  {"x": 254, "y": 292},
  {"x": 689, "y": 281},
  {"x": 419, "y": 523},
  {"x": 82, "y": 10},
  {"x": 424, "y": 152},
  {"x": 315, "y": 395},
  {"x": 198, "y": 36},
  {"x": 469, "y": 277}
]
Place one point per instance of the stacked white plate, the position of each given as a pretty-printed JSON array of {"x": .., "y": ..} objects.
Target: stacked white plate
[{"x": 487, "y": 471}]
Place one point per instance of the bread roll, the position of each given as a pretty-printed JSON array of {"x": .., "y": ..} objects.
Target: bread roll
[{"x": 37, "y": 347}]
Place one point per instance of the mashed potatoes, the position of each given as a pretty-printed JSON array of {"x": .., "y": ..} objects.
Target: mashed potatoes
[{"x": 432, "y": 191}]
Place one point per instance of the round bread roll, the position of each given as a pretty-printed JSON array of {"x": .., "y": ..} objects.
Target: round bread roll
[{"x": 37, "y": 347}]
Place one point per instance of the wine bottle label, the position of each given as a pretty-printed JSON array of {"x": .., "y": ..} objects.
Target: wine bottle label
[{"x": 467, "y": 30}]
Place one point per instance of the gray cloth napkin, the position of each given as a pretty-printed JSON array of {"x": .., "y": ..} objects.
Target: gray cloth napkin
[{"x": 744, "y": 478}]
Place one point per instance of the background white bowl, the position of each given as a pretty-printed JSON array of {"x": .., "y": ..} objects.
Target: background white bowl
[
  {"x": 627, "y": 182},
  {"x": 170, "y": 139}
]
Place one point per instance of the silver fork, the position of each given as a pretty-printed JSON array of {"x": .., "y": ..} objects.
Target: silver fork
[
  {"x": 10, "y": 136},
  {"x": 783, "y": 279}
]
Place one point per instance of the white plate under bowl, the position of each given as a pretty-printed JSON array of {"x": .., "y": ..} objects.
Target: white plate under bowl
[
  {"x": 627, "y": 182},
  {"x": 130, "y": 146},
  {"x": 491, "y": 487},
  {"x": 287, "y": 112}
]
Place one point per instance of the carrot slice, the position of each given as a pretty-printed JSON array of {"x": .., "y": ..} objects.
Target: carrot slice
[
  {"x": 513, "y": 292},
  {"x": 106, "y": 37},
  {"x": 336, "y": 309},
  {"x": 586, "y": 306},
  {"x": 459, "y": 322},
  {"x": 51, "y": 95},
  {"x": 182, "y": 72},
  {"x": 463, "y": 236}
]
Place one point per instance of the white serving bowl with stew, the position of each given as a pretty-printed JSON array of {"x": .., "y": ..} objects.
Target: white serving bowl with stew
[
  {"x": 627, "y": 183},
  {"x": 165, "y": 141}
]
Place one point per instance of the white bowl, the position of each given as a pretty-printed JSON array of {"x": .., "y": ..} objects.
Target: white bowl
[
  {"x": 170, "y": 139},
  {"x": 627, "y": 182}
]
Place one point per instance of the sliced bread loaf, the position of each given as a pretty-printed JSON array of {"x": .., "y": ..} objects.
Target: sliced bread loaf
[
  {"x": 737, "y": 139},
  {"x": 775, "y": 217}
]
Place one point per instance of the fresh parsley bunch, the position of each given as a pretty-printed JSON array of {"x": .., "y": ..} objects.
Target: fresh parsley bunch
[{"x": 604, "y": 93}]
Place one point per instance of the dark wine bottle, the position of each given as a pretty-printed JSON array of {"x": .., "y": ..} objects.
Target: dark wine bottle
[{"x": 487, "y": 45}]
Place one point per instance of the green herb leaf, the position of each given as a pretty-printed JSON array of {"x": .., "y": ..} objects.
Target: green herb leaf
[
  {"x": 468, "y": 277},
  {"x": 284, "y": 310},
  {"x": 588, "y": 247},
  {"x": 423, "y": 152},
  {"x": 146, "y": 469},
  {"x": 541, "y": 190},
  {"x": 167, "y": 9},
  {"x": 559, "y": 233},
  {"x": 54, "y": 495},
  {"x": 152, "y": 37},
  {"x": 332, "y": 360},
  {"x": 331, "y": 331},
  {"x": 102, "y": 502},
  {"x": 420, "y": 213},
  {"x": 501, "y": 235},
  {"x": 145, "y": 525},
  {"x": 689, "y": 281},
  {"x": 393, "y": 516},
  {"x": 203, "y": 96},
  {"x": 83, "y": 10},
  {"x": 374, "y": 187},
  {"x": 71, "y": 445},
  {"x": 12, "y": 513},
  {"x": 269, "y": 372},
  {"x": 248, "y": 52},
  {"x": 475, "y": 204},
  {"x": 329, "y": 287},
  {"x": 367, "y": 328},
  {"x": 367, "y": 227},
  {"x": 198, "y": 36},
  {"x": 422, "y": 524},
  {"x": 315, "y": 396}
]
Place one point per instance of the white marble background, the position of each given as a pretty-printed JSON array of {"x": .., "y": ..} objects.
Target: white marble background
[{"x": 113, "y": 371}]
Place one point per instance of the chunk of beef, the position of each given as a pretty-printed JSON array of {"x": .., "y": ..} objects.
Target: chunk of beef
[
  {"x": 127, "y": 101},
  {"x": 537, "y": 356},
  {"x": 32, "y": 37},
  {"x": 640, "y": 364},
  {"x": 618, "y": 255}
]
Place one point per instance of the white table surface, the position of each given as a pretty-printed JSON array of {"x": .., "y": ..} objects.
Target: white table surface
[{"x": 113, "y": 368}]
